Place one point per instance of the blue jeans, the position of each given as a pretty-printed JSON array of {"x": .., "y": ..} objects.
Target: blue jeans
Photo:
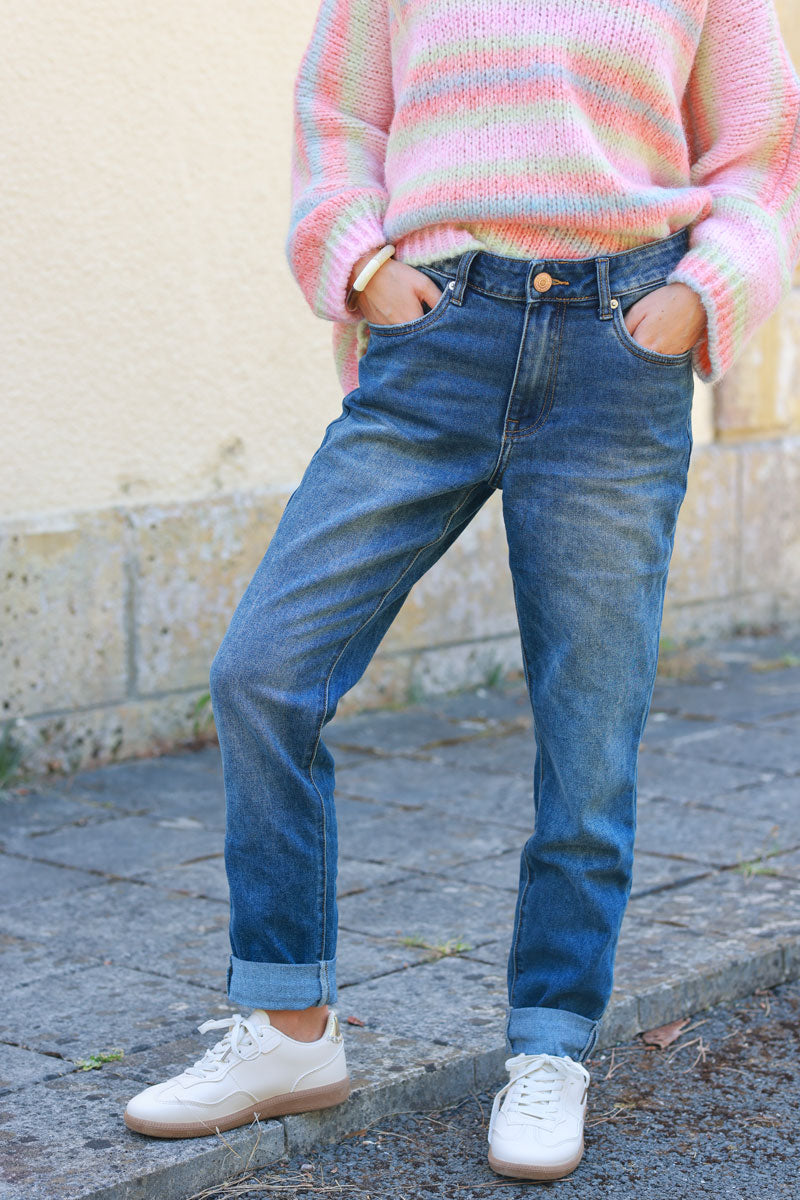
[{"x": 521, "y": 377}]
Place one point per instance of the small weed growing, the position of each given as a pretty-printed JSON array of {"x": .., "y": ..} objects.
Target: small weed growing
[
  {"x": 441, "y": 950},
  {"x": 776, "y": 664},
  {"x": 95, "y": 1061},
  {"x": 202, "y": 715},
  {"x": 10, "y": 757},
  {"x": 494, "y": 676}
]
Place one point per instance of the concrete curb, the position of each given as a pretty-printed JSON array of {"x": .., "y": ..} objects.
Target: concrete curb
[{"x": 424, "y": 1089}]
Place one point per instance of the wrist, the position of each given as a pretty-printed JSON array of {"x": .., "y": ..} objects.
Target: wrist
[
  {"x": 374, "y": 262},
  {"x": 358, "y": 266}
]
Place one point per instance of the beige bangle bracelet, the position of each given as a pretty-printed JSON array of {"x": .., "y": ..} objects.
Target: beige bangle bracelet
[{"x": 364, "y": 276}]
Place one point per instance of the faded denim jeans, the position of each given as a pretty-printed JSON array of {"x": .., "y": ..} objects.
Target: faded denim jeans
[{"x": 522, "y": 377}]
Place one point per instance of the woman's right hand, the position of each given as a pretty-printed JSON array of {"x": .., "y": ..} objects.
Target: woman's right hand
[{"x": 395, "y": 292}]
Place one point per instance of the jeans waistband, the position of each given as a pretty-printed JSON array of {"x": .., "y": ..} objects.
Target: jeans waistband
[{"x": 571, "y": 279}]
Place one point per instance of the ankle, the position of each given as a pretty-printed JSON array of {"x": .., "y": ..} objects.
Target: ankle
[{"x": 300, "y": 1024}]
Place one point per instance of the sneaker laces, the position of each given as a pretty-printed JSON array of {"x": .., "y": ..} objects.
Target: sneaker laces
[
  {"x": 535, "y": 1087},
  {"x": 242, "y": 1034}
]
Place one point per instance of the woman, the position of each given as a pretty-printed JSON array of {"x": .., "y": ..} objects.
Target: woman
[{"x": 529, "y": 224}]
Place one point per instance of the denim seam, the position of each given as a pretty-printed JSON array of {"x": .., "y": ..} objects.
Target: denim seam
[
  {"x": 648, "y": 702},
  {"x": 518, "y": 298},
  {"x": 678, "y": 236},
  {"x": 551, "y": 388},
  {"x": 323, "y": 972},
  {"x": 343, "y": 415},
  {"x": 665, "y": 241},
  {"x": 518, "y": 923},
  {"x": 655, "y": 246},
  {"x": 328, "y": 678},
  {"x": 506, "y": 438},
  {"x": 526, "y": 669},
  {"x": 591, "y": 1042}
]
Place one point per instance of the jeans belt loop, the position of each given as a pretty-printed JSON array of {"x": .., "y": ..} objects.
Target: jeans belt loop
[
  {"x": 603, "y": 289},
  {"x": 464, "y": 264}
]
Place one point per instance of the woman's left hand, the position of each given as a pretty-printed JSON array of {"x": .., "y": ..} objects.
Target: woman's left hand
[{"x": 668, "y": 320}]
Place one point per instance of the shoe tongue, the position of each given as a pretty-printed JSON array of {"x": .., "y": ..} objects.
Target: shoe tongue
[
  {"x": 259, "y": 1017},
  {"x": 520, "y": 1062},
  {"x": 523, "y": 1063}
]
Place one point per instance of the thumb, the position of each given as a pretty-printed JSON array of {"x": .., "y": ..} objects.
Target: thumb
[{"x": 430, "y": 292}]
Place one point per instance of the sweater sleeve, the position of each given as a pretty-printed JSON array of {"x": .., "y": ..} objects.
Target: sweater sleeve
[
  {"x": 343, "y": 106},
  {"x": 741, "y": 112}
]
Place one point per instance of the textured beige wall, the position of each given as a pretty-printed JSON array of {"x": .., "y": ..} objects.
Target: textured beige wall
[
  {"x": 789, "y": 17},
  {"x": 154, "y": 345},
  {"x": 153, "y": 342}
]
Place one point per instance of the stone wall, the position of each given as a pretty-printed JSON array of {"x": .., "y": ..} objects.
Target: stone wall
[
  {"x": 111, "y": 618},
  {"x": 737, "y": 549}
]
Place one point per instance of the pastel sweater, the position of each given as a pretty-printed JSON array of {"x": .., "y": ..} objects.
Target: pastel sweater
[{"x": 549, "y": 129}]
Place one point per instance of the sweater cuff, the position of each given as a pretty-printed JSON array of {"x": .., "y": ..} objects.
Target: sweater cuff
[
  {"x": 734, "y": 263},
  {"x": 326, "y": 244}
]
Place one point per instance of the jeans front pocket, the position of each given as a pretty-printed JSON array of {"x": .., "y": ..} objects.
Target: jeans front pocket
[
  {"x": 626, "y": 338},
  {"x": 418, "y": 324}
]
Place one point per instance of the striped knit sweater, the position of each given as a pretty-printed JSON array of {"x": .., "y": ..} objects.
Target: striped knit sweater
[{"x": 549, "y": 129}]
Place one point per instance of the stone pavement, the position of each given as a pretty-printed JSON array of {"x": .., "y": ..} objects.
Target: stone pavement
[{"x": 113, "y": 927}]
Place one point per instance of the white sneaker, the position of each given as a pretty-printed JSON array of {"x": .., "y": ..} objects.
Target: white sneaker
[
  {"x": 538, "y": 1131},
  {"x": 254, "y": 1071}
]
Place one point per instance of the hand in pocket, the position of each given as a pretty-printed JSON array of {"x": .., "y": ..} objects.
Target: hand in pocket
[
  {"x": 395, "y": 294},
  {"x": 668, "y": 320}
]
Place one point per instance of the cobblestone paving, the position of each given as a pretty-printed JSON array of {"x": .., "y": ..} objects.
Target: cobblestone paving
[{"x": 113, "y": 917}]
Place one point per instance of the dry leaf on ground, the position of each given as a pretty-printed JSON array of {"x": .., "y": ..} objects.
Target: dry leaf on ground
[{"x": 665, "y": 1035}]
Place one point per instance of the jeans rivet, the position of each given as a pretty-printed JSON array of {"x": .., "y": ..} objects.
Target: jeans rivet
[{"x": 614, "y": 303}]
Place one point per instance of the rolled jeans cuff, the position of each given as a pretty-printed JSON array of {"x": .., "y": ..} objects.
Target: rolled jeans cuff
[
  {"x": 550, "y": 1031},
  {"x": 281, "y": 985}
]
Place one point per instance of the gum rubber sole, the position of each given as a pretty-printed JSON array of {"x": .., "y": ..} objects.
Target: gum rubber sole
[
  {"x": 308, "y": 1100},
  {"x": 532, "y": 1171}
]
